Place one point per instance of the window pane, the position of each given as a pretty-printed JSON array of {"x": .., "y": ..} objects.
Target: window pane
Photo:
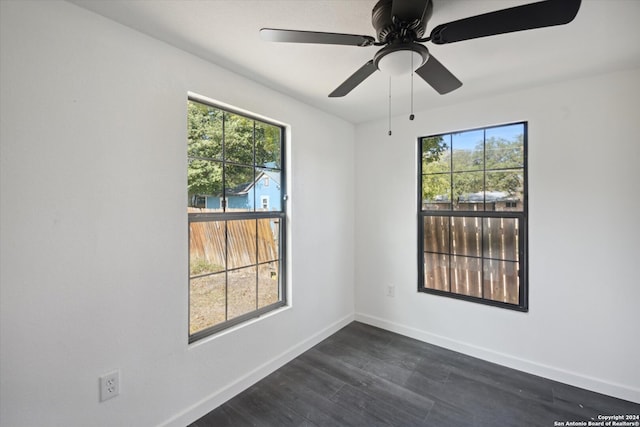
[
  {"x": 501, "y": 281},
  {"x": 238, "y": 139},
  {"x": 204, "y": 184},
  {"x": 207, "y": 247},
  {"x": 466, "y": 276},
  {"x": 204, "y": 131},
  {"x": 268, "y": 189},
  {"x": 207, "y": 302},
  {"x": 505, "y": 190},
  {"x": 235, "y": 178},
  {"x": 466, "y": 236},
  {"x": 467, "y": 150},
  {"x": 477, "y": 174},
  {"x": 239, "y": 188},
  {"x": 501, "y": 238},
  {"x": 268, "y": 143},
  {"x": 268, "y": 239},
  {"x": 468, "y": 191},
  {"x": 504, "y": 147},
  {"x": 436, "y": 271},
  {"x": 436, "y": 234},
  {"x": 436, "y": 192},
  {"x": 436, "y": 156},
  {"x": 241, "y": 291},
  {"x": 268, "y": 288},
  {"x": 241, "y": 243}
]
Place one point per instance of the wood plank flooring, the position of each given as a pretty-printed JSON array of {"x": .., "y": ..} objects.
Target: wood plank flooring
[{"x": 365, "y": 376}]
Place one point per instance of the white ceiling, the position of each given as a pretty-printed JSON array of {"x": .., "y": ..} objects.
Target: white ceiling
[{"x": 604, "y": 36}]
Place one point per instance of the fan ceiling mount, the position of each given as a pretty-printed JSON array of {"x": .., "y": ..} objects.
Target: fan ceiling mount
[{"x": 400, "y": 27}]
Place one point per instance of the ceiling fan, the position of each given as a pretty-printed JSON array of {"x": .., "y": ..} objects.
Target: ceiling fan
[{"x": 400, "y": 26}]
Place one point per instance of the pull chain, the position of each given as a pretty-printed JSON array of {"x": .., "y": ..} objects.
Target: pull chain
[
  {"x": 389, "y": 105},
  {"x": 411, "y": 116}
]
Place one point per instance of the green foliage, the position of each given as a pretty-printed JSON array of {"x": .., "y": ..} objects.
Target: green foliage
[
  {"x": 204, "y": 177},
  {"x": 466, "y": 183},
  {"x": 214, "y": 135},
  {"x": 434, "y": 186},
  {"x": 268, "y": 145},
  {"x": 204, "y": 142},
  {"x": 436, "y": 180},
  {"x": 502, "y": 159},
  {"x": 504, "y": 154},
  {"x": 238, "y": 143},
  {"x": 432, "y": 149}
]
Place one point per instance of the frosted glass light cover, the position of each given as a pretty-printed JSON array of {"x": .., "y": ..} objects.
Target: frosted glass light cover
[{"x": 399, "y": 62}]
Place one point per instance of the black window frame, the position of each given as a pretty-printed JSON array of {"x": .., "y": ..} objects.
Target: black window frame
[
  {"x": 256, "y": 214},
  {"x": 451, "y": 213}
]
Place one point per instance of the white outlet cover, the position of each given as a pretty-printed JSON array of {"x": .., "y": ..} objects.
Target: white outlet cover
[
  {"x": 109, "y": 385},
  {"x": 391, "y": 290}
]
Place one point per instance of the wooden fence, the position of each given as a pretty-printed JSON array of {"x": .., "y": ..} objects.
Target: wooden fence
[
  {"x": 234, "y": 244},
  {"x": 489, "y": 271}
]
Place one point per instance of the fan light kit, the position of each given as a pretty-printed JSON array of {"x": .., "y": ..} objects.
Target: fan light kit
[
  {"x": 400, "y": 26},
  {"x": 398, "y": 62}
]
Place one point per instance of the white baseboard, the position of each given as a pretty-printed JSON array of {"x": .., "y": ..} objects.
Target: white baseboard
[
  {"x": 620, "y": 391},
  {"x": 219, "y": 397}
]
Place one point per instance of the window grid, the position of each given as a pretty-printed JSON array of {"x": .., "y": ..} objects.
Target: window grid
[
  {"x": 490, "y": 267},
  {"x": 268, "y": 226}
]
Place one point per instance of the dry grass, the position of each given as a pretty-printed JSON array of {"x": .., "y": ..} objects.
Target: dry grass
[{"x": 211, "y": 305}]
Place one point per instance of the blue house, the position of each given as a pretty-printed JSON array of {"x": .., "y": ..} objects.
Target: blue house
[{"x": 264, "y": 193}]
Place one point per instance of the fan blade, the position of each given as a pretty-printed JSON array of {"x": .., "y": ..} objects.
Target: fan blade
[
  {"x": 529, "y": 16},
  {"x": 356, "y": 78},
  {"x": 294, "y": 36},
  {"x": 408, "y": 10},
  {"x": 438, "y": 77}
]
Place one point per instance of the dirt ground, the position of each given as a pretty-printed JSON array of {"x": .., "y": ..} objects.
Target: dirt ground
[{"x": 210, "y": 304}]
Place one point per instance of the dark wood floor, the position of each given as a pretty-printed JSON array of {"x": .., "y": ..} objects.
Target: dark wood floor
[{"x": 365, "y": 376}]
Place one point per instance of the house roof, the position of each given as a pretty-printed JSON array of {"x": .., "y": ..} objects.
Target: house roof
[
  {"x": 488, "y": 196},
  {"x": 246, "y": 187}
]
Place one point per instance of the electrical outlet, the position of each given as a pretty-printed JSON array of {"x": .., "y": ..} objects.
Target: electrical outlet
[
  {"x": 109, "y": 385},
  {"x": 391, "y": 290}
]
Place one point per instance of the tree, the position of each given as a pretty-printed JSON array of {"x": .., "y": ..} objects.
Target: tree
[
  {"x": 432, "y": 149},
  {"x": 204, "y": 143},
  {"x": 504, "y": 155},
  {"x": 502, "y": 159},
  {"x": 436, "y": 180},
  {"x": 227, "y": 147}
]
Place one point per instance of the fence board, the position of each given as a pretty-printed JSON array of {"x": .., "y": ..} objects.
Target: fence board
[
  {"x": 233, "y": 244},
  {"x": 495, "y": 279}
]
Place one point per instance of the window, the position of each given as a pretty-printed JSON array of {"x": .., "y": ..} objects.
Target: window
[
  {"x": 236, "y": 249},
  {"x": 472, "y": 215}
]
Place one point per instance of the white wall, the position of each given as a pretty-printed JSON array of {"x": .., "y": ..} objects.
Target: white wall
[
  {"x": 93, "y": 238},
  {"x": 584, "y": 172},
  {"x": 94, "y": 235}
]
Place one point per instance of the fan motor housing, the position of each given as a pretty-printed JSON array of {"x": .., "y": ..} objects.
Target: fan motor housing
[{"x": 388, "y": 31}]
